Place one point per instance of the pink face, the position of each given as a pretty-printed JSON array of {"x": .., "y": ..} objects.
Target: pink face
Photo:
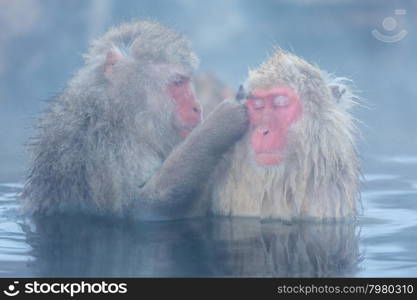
[
  {"x": 271, "y": 114},
  {"x": 187, "y": 108}
]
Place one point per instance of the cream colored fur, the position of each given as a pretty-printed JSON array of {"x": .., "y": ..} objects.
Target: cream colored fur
[{"x": 319, "y": 178}]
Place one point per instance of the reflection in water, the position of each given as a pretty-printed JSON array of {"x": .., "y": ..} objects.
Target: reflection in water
[
  {"x": 222, "y": 247},
  {"x": 66, "y": 246},
  {"x": 276, "y": 249}
]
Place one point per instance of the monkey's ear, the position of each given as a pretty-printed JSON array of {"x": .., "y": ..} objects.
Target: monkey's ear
[
  {"x": 337, "y": 92},
  {"x": 112, "y": 57},
  {"x": 343, "y": 93}
]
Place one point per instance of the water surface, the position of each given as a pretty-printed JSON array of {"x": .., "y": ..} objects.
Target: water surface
[{"x": 382, "y": 243}]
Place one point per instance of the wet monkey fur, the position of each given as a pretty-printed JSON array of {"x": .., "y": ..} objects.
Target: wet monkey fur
[
  {"x": 298, "y": 160},
  {"x": 125, "y": 137}
]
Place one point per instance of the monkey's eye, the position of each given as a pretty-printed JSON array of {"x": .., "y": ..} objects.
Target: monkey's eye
[
  {"x": 180, "y": 80},
  {"x": 280, "y": 101},
  {"x": 258, "y": 103}
]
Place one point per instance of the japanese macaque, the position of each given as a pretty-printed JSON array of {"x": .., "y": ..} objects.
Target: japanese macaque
[
  {"x": 123, "y": 138},
  {"x": 298, "y": 160}
]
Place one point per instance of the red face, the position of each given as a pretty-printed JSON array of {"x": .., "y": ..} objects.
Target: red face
[
  {"x": 271, "y": 114},
  {"x": 187, "y": 108}
]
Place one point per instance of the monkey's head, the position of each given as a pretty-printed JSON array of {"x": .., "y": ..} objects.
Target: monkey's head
[
  {"x": 146, "y": 70},
  {"x": 291, "y": 107},
  {"x": 298, "y": 159}
]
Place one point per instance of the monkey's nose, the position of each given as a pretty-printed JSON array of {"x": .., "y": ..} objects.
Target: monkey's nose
[
  {"x": 196, "y": 109},
  {"x": 265, "y": 132}
]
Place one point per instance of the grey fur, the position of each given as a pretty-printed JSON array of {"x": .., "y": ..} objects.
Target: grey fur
[{"x": 105, "y": 148}]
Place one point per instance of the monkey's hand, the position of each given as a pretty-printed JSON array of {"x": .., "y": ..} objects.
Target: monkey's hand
[
  {"x": 226, "y": 124},
  {"x": 180, "y": 180}
]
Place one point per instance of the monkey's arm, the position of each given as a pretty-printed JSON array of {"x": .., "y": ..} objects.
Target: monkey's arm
[{"x": 173, "y": 191}]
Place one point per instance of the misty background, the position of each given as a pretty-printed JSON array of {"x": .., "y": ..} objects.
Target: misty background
[{"x": 41, "y": 43}]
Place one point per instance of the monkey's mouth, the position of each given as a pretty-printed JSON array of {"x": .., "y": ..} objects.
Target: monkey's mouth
[{"x": 268, "y": 158}]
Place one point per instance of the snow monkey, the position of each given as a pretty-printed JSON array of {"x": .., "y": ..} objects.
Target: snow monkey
[
  {"x": 123, "y": 139},
  {"x": 298, "y": 160}
]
